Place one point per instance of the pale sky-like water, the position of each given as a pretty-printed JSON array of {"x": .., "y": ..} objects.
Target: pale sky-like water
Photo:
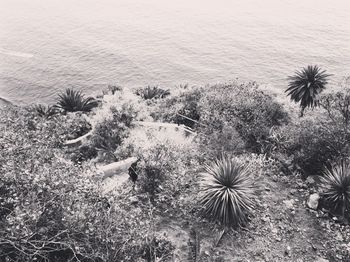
[{"x": 47, "y": 46}]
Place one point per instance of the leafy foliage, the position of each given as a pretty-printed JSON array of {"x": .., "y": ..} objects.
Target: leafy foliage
[
  {"x": 243, "y": 107},
  {"x": 73, "y": 101},
  {"x": 53, "y": 210},
  {"x": 46, "y": 111},
  {"x": 306, "y": 85},
  {"x": 182, "y": 109},
  {"x": 228, "y": 193},
  {"x": 152, "y": 92},
  {"x": 337, "y": 106},
  {"x": 314, "y": 144},
  {"x": 110, "y": 133},
  {"x": 335, "y": 186}
]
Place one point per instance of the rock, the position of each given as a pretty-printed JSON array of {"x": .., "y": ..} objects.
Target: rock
[
  {"x": 321, "y": 259},
  {"x": 289, "y": 203},
  {"x": 310, "y": 181},
  {"x": 288, "y": 251},
  {"x": 133, "y": 200},
  {"x": 312, "y": 202}
]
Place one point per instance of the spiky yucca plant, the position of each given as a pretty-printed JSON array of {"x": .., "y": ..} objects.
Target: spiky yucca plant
[
  {"x": 73, "y": 101},
  {"x": 45, "y": 111},
  {"x": 228, "y": 193},
  {"x": 151, "y": 92},
  {"x": 305, "y": 85},
  {"x": 335, "y": 186}
]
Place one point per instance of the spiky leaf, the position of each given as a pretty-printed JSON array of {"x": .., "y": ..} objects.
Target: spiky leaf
[
  {"x": 306, "y": 84},
  {"x": 228, "y": 193}
]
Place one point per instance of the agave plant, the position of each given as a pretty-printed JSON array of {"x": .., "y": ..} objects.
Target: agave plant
[
  {"x": 151, "y": 92},
  {"x": 45, "y": 111},
  {"x": 335, "y": 186},
  {"x": 73, "y": 101},
  {"x": 305, "y": 86},
  {"x": 228, "y": 193}
]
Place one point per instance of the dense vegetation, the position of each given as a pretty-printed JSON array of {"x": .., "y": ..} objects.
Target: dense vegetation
[{"x": 207, "y": 172}]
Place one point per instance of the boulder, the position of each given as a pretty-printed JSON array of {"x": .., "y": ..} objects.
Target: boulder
[{"x": 312, "y": 202}]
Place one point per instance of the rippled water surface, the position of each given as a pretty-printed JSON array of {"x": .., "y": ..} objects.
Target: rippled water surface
[{"x": 46, "y": 46}]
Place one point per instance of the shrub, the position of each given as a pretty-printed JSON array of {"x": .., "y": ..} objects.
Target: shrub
[
  {"x": 152, "y": 92},
  {"x": 45, "y": 111},
  {"x": 243, "y": 107},
  {"x": 306, "y": 85},
  {"x": 181, "y": 109},
  {"x": 324, "y": 137},
  {"x": 156, "y": 166},
  {"x": 73, "y": 101},
  {"x": 315, "y": 143},
  {"x": 158, "y": 248},
  {"x": 84, "y": 153},
  {"x": 110, "y": 132},
  {"x": 335, "y": 186},
  {"x": 228, "y": 192},
  {"x": 337, "y": 106},
  {"x": 53, "y": 210}
]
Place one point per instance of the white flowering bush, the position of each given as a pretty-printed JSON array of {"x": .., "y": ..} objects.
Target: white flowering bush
[{"x": 52, "y": 209}]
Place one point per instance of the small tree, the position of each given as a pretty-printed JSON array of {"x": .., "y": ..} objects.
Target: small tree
[{"x": 306, "y": 85}]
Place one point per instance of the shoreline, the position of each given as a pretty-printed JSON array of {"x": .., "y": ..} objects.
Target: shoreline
[{"x": 4, "y": 102}]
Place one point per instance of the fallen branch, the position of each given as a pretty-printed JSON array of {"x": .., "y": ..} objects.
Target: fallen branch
[{"x": 78, "y": 141}]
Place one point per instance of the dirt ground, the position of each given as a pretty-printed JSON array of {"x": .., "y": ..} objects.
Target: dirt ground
[{"x": 282, "y": 229}]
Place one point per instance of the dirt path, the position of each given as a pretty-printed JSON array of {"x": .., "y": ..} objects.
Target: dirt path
[{"x": 283, "y": 229}]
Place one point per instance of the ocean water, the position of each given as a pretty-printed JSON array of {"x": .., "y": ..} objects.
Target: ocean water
[{"x": 47, "y": 46}]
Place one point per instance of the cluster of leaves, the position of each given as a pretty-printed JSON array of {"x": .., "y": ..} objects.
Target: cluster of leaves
[
  {"x": 72, "y": 101},
  {"x": 52, "y": 210},
  {"x": 110, "y": 133},
  {"x": 242, "y": 107},
  {"x": 228, "y": 192},
  {"x": 157, "y": 167},
  {"x": 48, "y": 111},
  {"x": 152, "y": 92},
  {"x": 306, "y": 85},
  {"x": 323, "y": 137},
  {"x": 335, "y": 187},
  {"x": 181, "y": 109}
]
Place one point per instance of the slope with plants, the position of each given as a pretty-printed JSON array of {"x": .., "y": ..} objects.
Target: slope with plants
[{"x": 223, "y": 173}]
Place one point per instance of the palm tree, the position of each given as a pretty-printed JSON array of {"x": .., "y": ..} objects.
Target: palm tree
[
  {"x": 73, "y": 101},
  {"x": 305, "y": 85}
]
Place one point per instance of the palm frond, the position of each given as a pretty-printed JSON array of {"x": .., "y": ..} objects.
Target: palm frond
[
  {"x": 306, "y": 85},
  {"x": 152, "y": 92},
  {"x": 73, "y": 101},
  {"x": 228, "y": 194},
  {"x": 45, "y": 111}
]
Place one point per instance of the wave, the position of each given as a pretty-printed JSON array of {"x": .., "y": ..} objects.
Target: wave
[{"x": 14, "y": 53}]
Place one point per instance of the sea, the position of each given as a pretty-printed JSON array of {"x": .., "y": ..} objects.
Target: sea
[{"x": 47, "y": 46}]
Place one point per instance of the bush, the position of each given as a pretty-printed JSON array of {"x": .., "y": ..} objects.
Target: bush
[
  {"x": 110, "y": 132},
  {"x": 314, "y": 144},
  {"x": 156, "y": 165},
  {"x": 227, "y": 194},
  {"x": 335, "y": 186},
  {"x": 243, "y": 107},
  {"x": 323, "y": 138},
  {"x": 73, "y": 101},
  {"x": 181, "y": 109},
  {"x": 152, "y": 92},
  {"x": 53, "y": 210}
]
